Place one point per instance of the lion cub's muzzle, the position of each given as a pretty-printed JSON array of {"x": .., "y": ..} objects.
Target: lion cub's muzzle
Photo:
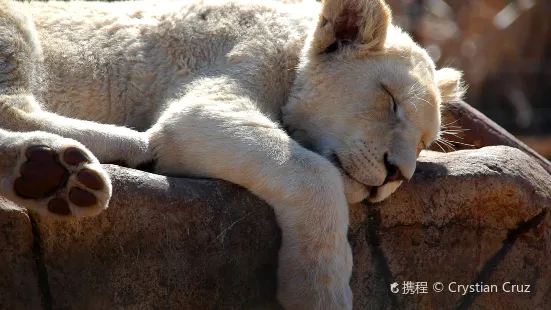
[
  {"x": 393, "y": 180},
  {"x": 380, "y": 193},
  {"x": 393, "y": 173}
]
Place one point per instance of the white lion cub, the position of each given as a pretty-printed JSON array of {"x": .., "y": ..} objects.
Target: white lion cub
[{"x": 307, "y": 105}]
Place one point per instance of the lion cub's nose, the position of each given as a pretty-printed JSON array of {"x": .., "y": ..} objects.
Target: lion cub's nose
[{"x": 393, "y": 173}]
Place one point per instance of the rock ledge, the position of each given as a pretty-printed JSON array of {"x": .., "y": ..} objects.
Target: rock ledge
[{"x": 466, "y": 217}]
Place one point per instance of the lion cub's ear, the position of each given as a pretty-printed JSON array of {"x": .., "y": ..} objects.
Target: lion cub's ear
[
  {"x": 450, "y": 84},
  {"x": 361, "y": 22}
]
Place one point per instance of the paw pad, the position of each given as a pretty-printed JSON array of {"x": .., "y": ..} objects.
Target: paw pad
[
  {"x": 91, "y": 179},
  {"x": 59, "y": 206},
  {"x": 74, "y": 157},
  {"x": 41, "y": 175},
  {"x": 44, "y": 175},
  {"x": 81, "y": 197}
]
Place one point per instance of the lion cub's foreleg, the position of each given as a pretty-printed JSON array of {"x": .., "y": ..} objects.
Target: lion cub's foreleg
[
  {"x": 235, "y": 143},
  {"x": 109, "y": 143},
  {"x": 53, "y": 175}
]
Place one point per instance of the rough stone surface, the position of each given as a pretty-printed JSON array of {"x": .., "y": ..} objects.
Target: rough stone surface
[
  {"x": 463, "y": 215},
  {"x": 525, "y": 264},
  {"x": 19, "y": 286},
  {"x": 165, "y": 243},
  {"x": 469, "y": 216}
]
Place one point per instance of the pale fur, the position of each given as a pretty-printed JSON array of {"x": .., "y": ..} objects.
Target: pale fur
[{"x": 240, "y": 91}]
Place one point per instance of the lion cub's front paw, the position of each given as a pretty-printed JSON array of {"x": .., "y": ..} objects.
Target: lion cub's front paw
[
  {"x": 63, "y": 181},
  {"x": 309, "y": 280}
]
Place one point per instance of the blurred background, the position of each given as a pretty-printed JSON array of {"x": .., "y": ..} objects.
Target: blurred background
[{"x": 504, "y": 49}]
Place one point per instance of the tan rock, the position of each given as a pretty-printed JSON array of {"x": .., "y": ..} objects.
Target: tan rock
[
  {"x": 165, "y": 243},
  {"x": 19, "y": 281},
  {"x": 461, "y": 217},
  {"x": 526, "y": 262},
  {"x": 201, "y": 244}
]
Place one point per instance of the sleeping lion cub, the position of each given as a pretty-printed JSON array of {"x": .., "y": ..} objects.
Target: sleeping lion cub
[{"x": 309, "y": 106}]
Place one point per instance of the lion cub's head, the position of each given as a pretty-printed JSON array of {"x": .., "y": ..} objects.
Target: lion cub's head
[{"x": 367, "y": 97}]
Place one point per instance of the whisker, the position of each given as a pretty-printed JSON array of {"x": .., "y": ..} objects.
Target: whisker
[
  {"x": 466, "y": 144},
  {"x": 455, "y": 142},
  {"x": 448, "y": 124},
  {"x": 452, "y": 127},
  {"x": 448, "y": 144},
  {"x": 436, "y": 142},
  {"x": 422, "y": 99},
  {"x": 454, "y": 130},
  {"x": 455, "y": 135}
]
